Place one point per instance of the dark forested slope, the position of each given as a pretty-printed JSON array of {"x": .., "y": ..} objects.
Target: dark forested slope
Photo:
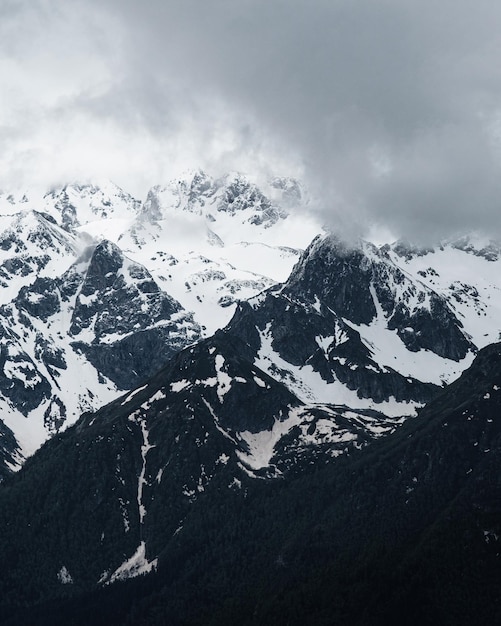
[{"x": 405, "y": 531}]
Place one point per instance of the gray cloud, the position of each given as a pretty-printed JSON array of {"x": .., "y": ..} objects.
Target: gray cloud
[{"x": 390, "y": 109}]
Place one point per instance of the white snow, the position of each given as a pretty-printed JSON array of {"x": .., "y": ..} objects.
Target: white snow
[
  {"x": 388, "y": 350},
  {"x": 471, "y": 284},
  {"x": 136, "y": 565},
  {"x": 179, "y": 385},
  {"x": 224, "y": 380},
  {"x": 201, "y": 269},
  {"x": 132, "y": 394},
  {"x": 310, "y": 387},
  {"x": 260, "y": 382},
  {"x": 205, "y": 258},
  {"x": 64, "y": 576},
  {"x": 324, "y": 343},
  {"x": 262, "y": 444},
  {"x": 145, "y": 448}
]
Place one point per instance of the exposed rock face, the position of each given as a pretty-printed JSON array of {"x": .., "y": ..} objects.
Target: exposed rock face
[
  {"x": 98, "y": 313},
  {"x": 76, "y": 204},
  {"x": 231, "y": 421},
  {"x": 208, "y": 422},
  {"x": 232, "y": 194},
  {"x": 334, "y": 315},
  {"x": 134, "y": 326},
  {"x": 68, "y": 343},
  {"x": 361, "y": 283},
  {"x": 10, "y": 454}
]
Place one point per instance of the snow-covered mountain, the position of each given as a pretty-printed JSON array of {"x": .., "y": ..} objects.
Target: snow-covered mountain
[
  {"x": 208, "y": 422},
  {"x": 82, "y": 319},
  {"x": 466, "y": 273},
  {"x": 350, "y": 327},
  {"x": 72, "y": 342},
  {"x": 226, "y": 239},
  {"x": 99, "y": 290}
]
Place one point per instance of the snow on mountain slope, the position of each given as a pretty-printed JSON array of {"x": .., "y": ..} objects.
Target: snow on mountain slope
[
  {"x": 10, "y": 457},
  {"x": 206, "y": 424},
  {"x": 352, "y": 317},
  {"x": 350, "y": 327},
  {"x": 467, "y": 273},
  {"x": 78, "y": 325},
  {"x": 208, "y": 242},
  {"x": 211, "y": 242},
  {"x": 68, "y": 344},
  {"x": 31, "y": 245},
  {"x": 91, "y": 204}
]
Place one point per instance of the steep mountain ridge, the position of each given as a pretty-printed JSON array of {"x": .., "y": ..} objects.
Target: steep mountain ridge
[
  {"x": 361, "y": 282},
  {"x": 31, "y": 245},
  {"x": 350, "y": 327},
  {"x": 69, "y": 343},
  {"x": 465, "y": 272},
  {"x": 227, "y": 239},
  {"x": 75, "y": 304},
  {"x": 207, "y": 422},
  {"x": 278, "y": 463}
]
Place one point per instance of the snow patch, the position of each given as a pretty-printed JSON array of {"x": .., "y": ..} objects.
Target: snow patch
[
  {"x": 179, "y": 385},
  {"x": 137, "y": 565},
  {"x": 223, "y": 378},
  {"x": 261, "y": 445},
  {"x": 64, "y": 576},
  {"x": 132, "y": 394}
]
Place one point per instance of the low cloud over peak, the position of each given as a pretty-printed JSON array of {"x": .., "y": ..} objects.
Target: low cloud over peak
[{"x": 388, "y": 110}]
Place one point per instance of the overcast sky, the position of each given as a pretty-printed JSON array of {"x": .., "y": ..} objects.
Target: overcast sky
[{"x": 390, "y": 110}]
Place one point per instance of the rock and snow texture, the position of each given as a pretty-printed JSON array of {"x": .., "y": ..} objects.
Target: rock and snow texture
[
  {"x": 81, "y": 320},
  {"x": 207, "y": 242},
  {"x": 466, "y": 273},
  {"x": 332, "y": 333},
  {"x": 137, "y": 565},
  {"x": 99, "y": 290},
  {"x": 260, "y": 425},
  {"x": 214, "y": 241},
  {"x": 10, "y": 453},
  {"x": 70, "y": 343}
]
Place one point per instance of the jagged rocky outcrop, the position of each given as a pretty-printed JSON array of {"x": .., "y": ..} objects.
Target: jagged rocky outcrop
[
  {"x": 134, "y": 326},
  {"x": 333, "y": 323},
  {"x": 361, "y": 283},
  {"x": 354, "y": 325},
  {"x": 244, "y": 476},
  {"x": 288, "y": 336},
  {"x": 231, "y": 194},
  {"x": 31, "y": 245},
  {"x": 67, "y": 310},
  {"x": 74, "y": 205},
  {"x": 69, "y": 343}
]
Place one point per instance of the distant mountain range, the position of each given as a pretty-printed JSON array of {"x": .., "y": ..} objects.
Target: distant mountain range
[{"x": 293, "y": 429}]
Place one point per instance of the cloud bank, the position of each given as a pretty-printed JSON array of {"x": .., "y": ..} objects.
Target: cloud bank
[{"x": 390, "y": 110}]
